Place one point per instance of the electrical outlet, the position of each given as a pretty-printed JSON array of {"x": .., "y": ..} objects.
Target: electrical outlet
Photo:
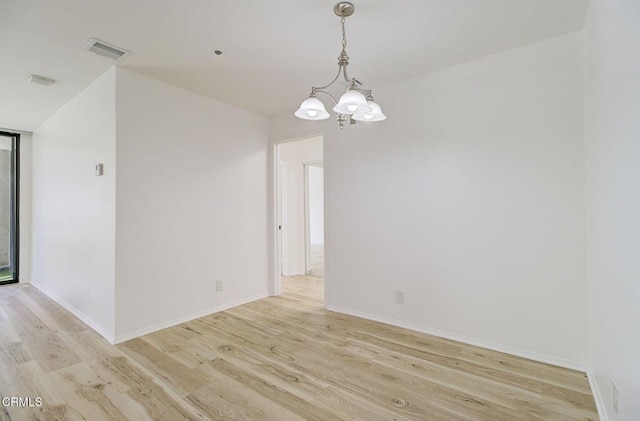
[
  {"x": 616, "y": 397},
  {"x": 400, "y": 297},
  {"x": 219, "y": 285}
]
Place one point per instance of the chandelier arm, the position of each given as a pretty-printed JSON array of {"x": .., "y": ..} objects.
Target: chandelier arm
[
  {"x": 332, "y": 82},
  {"x": 326, "y": 93},
  {"x": 346, "y": 76}
]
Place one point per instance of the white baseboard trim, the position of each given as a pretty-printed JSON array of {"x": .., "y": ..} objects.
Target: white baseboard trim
[
  {"x": 108, "y": 335},
  {"x": 169, "y": 323},
  {"x": 519, "y": 352},
  {"x": 597, "y": 396}
]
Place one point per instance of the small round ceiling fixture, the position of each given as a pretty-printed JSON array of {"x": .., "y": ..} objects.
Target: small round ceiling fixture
[
  {"x": 218, "y": 52},
  {"x": 344, "y": 9}
]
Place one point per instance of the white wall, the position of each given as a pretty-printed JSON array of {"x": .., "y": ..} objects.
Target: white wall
[
  {"x": 294, "y": 155},
  {"x": 612, "y": 64},
  {"x": 191, "y": 205},
  {"x": 287, "y": 127},
  {"x": 73, "y": 225},
  {"x": 469, "y": 198},
  {"x": 316, "y": 204}
]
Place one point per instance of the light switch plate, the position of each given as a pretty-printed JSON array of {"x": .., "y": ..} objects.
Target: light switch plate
[{"x": 99, "y": 169}]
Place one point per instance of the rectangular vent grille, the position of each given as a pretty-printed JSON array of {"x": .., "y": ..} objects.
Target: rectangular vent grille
[
  {"x": 105, "y": 49},
  {"x": 41, "y": 80}
]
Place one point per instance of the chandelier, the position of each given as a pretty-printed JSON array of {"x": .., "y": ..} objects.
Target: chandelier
[{"x": 355, "y": 104}]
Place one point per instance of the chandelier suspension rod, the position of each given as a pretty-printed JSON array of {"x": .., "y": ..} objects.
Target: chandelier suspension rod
[{"x": 344, "y": 35}]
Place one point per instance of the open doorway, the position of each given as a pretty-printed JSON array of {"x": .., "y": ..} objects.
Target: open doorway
[
  {"x": 300, "y": 217},
  {"x": 314, "y": 218}
]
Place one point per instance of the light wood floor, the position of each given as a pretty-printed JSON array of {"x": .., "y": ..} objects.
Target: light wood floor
[
  {"x": 282, "y": 358},
  {"x": 317, "y": 260}
]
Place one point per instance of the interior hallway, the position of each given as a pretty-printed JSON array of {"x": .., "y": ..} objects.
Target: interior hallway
[
  {"x": 317, "y": 260},
  {"x": 281, "y": 358}
]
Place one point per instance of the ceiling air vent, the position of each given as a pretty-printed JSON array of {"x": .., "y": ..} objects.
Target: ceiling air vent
[
  {"x": 105, "y": 49},
  {"x": 41, "y": 80}
]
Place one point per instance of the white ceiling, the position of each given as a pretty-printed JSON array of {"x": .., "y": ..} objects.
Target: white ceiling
[{"x": 273, "y": 50}]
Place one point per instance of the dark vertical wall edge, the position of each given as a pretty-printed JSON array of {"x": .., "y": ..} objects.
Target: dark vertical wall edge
[{"x": 15, "y": 206}]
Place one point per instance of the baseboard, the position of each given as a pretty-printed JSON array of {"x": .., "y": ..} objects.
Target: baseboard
[
  {"x": 530, "y": 355},
  {"x": 109, "y": 336},
  {"x": 597, "y": 396},
  {"x": 169, "y": 323},
  {"x": 112, "y": 339}
]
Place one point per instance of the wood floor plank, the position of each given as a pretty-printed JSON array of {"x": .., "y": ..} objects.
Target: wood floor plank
[
  {"x": 501, "y": 361},
  {"x": 279, "y": 359},
  {"x": 96, "y": 353},
  {"x": 531, "y": 404},
  {"x": 178, "y": 375},
  {"x": 305, "y": 409},
  {"x": 572, "y": 379},
  {"x": 157, "y": 399},
  {"x": 47, "y": 311},
  {"x": 7, "y": 331},
  {"x": 82, "y": 390},
  {"x": 29, "y": 380},
  {"x": 43, "y": 343},
  {"x": 231, "y": 400},
  {"x": 570, "y": 396},
  {"x": 172, "y": 342},
  {"x": 159, "y": 405},
  {"x": 325, "y": 363},
  {"x": 14, "y": 353},
  {"x": 299, "y": 382}
]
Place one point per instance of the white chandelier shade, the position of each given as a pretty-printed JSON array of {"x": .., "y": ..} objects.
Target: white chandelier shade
[
  {"x": 352, "y": 102},
  {"x": 374, "y": 115},
  {"x": 312, "y": 109},
  {"x": 356, "y": 104}
]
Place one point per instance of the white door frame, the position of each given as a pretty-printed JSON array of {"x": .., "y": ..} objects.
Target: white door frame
[
  {"x": 281, "y": 216},
  {"x": 275, "y": 287},
  {"x": 279, "y": 220}
]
